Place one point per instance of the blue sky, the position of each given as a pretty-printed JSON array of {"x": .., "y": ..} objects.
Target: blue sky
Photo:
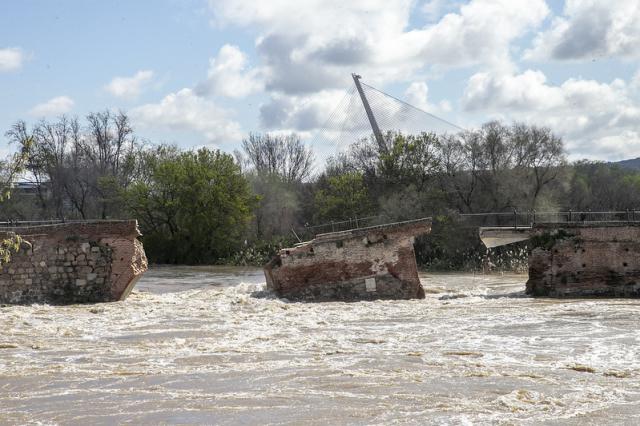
[{"x": 199, "y": 72}]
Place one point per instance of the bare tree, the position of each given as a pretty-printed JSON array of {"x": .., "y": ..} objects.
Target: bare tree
[
  {"x": 285, "y": 156},
  {"x": 79, "y": 171},
  {"x": 460, "y": 168},
  {"x": 541, "y": 156},
  {"x": 110, "y": 148},
  {"x": 51, "y": 141},
  {"x": 500, "y": 167}
]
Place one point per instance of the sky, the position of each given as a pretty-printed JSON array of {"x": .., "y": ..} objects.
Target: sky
[{"x": 206, "y": 73}]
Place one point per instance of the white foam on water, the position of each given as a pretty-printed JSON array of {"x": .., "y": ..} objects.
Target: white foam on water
[{"x": 474, "y": 351}]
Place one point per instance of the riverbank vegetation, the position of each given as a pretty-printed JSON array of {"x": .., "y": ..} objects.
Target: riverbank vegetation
[
  {"x": 208, "y": 206},
  {"x": 9, "y": 171}
]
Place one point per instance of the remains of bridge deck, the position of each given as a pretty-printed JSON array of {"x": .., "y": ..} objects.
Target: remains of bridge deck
[
  {"x": 376, "y": 262},
  {"x": 578, "y": 259},
  {"x": 73, "y": 262}
]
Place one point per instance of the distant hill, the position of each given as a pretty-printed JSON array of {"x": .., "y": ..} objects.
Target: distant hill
[{"x": 633, "y": 163}]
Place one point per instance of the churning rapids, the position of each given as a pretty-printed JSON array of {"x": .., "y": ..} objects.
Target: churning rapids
[{"x": 209, "y": 345}]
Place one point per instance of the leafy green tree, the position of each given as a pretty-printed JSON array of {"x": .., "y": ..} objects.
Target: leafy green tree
[
  {"x": 193, "y": 207},
  {"x": 345, "y": 196},
  {"x": 411, "y": 159}
]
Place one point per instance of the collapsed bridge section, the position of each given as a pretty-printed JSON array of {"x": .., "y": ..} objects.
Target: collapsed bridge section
[
  {"x": 585, "y": 260},
  {"x": 73, "y": 262},
  {"x": 376, "y": 262},
  {"x": 577, "y": 258}
]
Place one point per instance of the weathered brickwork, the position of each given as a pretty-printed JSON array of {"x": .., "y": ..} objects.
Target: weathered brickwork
[
  {"x": 585, "y": 260},
  {"x": 363, "y": 264},
  {"x": 74, "y": 263}
]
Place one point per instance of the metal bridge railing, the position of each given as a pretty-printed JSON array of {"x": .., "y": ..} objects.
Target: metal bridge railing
[
  {"x": 28, "y": 223},
  {"x": 311, "y": 231},
  {"x": 19, "y": 223},
  {"x": 514, "y": 219},
  {"x": 523, "y": 219},
  {"x": 503, "y": 219}
]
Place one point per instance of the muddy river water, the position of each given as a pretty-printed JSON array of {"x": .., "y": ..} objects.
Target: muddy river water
[{"x": 208, "y": 345}]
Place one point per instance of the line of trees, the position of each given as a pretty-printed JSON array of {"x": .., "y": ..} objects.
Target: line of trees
[
  {"x": 79, "y": 171},
  {"x": 207, "y": 206}
]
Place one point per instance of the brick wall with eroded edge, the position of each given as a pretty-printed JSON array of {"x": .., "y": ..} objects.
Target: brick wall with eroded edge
[
  {"x": 585, "y": 261},
  {"x": 73, "y": 263},
  {"x": 350, "y": 266}
]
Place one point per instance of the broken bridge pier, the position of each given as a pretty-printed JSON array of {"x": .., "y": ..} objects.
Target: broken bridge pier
[
  {"x": 72, "y": 262},
  {"x": 375, "y": 262},
  {"x": 578, "y": 254}
]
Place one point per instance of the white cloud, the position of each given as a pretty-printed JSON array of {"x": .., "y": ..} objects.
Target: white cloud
[
  {"x": 55, "y": 106},
  {"x": 193, "y": 109},
  {"x": 321, "y": 119},
  {"x": 482, "y": 32},
  {"x": 129, "y": 87},
  {"x": 597, "y": 120},
  {"x": 11, "y": 59},
  {"x": 417, "y": 94},
  {"x": 308, "y": 47},
  {"x": 185, "y": 110},
  {"x": 333, "y": 120},
  {"x": 303, "y": 112},
  {"x": 527, "y": 91},
  {"x": 635, "y": 81},
  {"x": 228, "y": 76},
  {"x": 589, "y": 29},
  {"x": 434, "y": 9}
]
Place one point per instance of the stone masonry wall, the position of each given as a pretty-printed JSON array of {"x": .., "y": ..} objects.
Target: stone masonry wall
[
  {"x": 583, "y": 260},
  {"x": 356, "y": 265},
  {"x": 73, "y": 263}
]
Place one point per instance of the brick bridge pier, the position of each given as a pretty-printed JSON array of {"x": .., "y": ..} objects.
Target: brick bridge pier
[
  {"x": 72, "y": 262},
  {"x": 576, "y": 254}
]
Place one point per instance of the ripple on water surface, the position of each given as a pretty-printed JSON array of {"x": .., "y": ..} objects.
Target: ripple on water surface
[{"x": 209, "y": 345}]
